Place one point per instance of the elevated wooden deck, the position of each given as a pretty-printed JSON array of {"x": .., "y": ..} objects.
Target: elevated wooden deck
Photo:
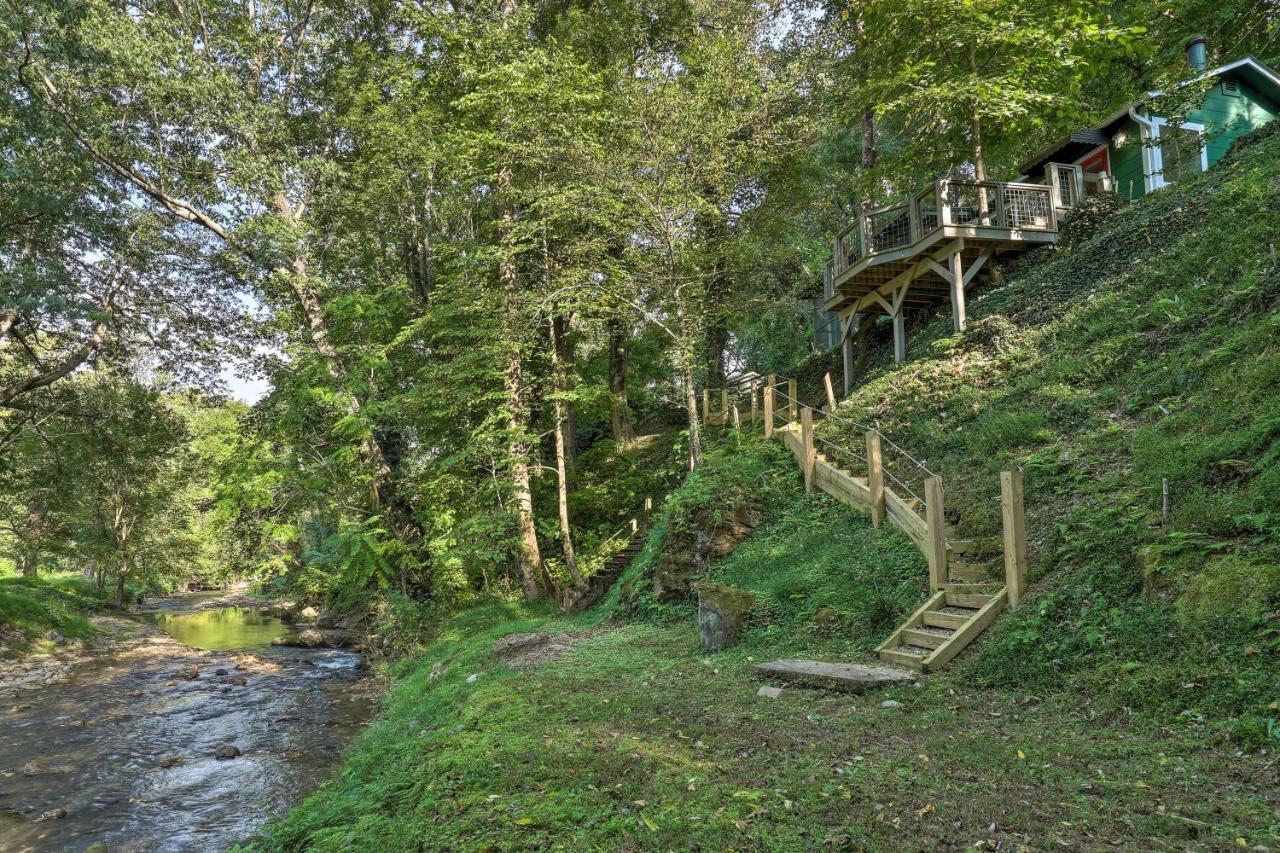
[{"x": 932, "y": 247}]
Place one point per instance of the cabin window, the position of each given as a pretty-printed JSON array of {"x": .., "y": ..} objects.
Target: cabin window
[{"x": 1173, "y": 152}]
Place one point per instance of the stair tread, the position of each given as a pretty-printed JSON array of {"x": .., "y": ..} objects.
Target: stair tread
[{"x": 957, "y": 610}]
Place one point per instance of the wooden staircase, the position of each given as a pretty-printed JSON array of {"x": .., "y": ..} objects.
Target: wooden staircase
[
  {"x": 950, "y": 620},
  {"x": 578, "y": 599}
]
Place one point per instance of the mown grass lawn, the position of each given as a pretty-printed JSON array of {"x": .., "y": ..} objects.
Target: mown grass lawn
[{"x": 636, "y": 740}]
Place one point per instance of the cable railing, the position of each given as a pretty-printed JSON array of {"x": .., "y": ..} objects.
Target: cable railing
[
  {"x": 881, "y": 479},
  {"x": 727, "y": 404}
]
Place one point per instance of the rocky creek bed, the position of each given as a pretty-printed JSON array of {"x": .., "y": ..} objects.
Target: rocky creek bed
[{"x": 136, "y": 741}]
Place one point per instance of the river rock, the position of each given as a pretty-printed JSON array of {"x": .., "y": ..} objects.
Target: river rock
[
  {"x": 191, "y": 673},
  {"x": 55, "y": 637},
  {"x": 722, "y": 611},
  {"x": 220, "y": 671},
  {"x": 311, "y": 639},
  {"x": 224, "y": 751},
  {"x": 52, "y": 814},
  {"x": 30, "y": 769},
  {"x": 169, "y": 759},
  {"x": 308, "y": 612},
  {"x": 97, "y": 847}
]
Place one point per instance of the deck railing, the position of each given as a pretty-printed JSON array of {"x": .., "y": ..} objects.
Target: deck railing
[{"x": 1008, "y": 205}]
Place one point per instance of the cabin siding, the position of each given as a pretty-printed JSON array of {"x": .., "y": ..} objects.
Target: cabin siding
[
  {"x": 1126, "y": 161},
  {"x": 1227, "y": 117}
]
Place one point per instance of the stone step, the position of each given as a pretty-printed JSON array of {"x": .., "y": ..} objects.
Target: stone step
[{"x": 850, "y": 677}]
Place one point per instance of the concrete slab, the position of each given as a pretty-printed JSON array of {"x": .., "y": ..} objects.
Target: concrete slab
[{"x": 850, "y": 677}]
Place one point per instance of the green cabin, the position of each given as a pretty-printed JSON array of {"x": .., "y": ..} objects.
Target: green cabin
[{"x": 1136, "y": 150}]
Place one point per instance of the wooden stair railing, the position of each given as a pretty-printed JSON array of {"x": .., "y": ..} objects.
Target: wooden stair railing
[
  {"x": 593, "y": 589},
  {"x": 964, "y": 598}
]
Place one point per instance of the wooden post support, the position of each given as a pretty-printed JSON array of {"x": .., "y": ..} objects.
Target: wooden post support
[
  {"x": 635, "y": 526},
  {"x": 831, "y": 392},
  {"x": 1015, "y": 535},
  {"x": 937, "y": 537},
  {"x": 793, "y": 405},
  {"x": 647, "y": 513},
  {"x": 875, "y": 477},
  {"x": 806, "y": 439},
  {"x": 737, "y": 423},
  {"x": 755, "y": 411},
  {"x": 957, "y": 292},
  {"x": 724, "y": 407},
  {"x": 899, "y": 336},
  {"x": 846, "y": 356},
  {"x": 768, "y": 406},
  {"x": 706, "y": 405}
]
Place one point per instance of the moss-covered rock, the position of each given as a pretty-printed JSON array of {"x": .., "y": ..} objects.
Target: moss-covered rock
[{"x": 722, "y": 612}]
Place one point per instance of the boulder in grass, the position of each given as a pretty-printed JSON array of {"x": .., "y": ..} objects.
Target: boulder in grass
[{"x": 722, "y": 612}]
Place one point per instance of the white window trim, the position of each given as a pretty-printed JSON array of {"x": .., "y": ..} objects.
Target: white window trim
[{"x": 1153, "y": 159}]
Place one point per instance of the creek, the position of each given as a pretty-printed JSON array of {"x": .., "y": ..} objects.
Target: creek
[{"x": 121, "y": 750}]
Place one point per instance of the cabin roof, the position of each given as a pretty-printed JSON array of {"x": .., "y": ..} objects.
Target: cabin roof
[{"x": 1079, "y": 143}]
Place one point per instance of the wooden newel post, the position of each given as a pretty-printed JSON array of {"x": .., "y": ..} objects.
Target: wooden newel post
[
  {"x": 647, "y": 514},
  {"x": 875, "y": 477},
  {"x": 724, "y": 406},
  {"x": 768, "y": 406},
  {"x": 806, "y": 440},
  {"x": 1015, "y": 535},
  {"x": 793, "y": 405},
  {"x": 937, "y": 533},
  {"x": 706, "y": 405},
  {"x": 831, "y": 392},
  {"x": 755, "y": 412}
]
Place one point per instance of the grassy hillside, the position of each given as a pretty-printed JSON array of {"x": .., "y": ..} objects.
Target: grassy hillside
[
  {"x": 1145, "y": 346},
  {"x": 30, "y": 608},
  {"x": 1132, "y": 701},
  {"x": 633, "y": 739}
]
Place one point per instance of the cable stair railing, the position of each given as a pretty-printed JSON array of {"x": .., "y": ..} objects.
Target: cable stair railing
[{"x": 879, "y": 477}]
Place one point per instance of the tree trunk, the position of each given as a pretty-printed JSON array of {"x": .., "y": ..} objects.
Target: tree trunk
[
  {"x": 119, "y": 596},
  {"x": 691, "y": 408},
  {"x": 623, "y": 432},
  {"x": 562, "y": 480},
  {"x": 975, "y": 126},
  {"x": 563, "y": 355},
  {"x": 717, "y": 341},
  {"x": 528, "y": 552},
  {"x": 30, "y": 557}
]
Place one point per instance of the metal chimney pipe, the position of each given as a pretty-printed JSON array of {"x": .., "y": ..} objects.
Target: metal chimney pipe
[{"x": 1196, "y": 53}]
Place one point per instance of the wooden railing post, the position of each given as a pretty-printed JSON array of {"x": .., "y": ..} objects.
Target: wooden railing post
[
  {"x": 724, "y": 407},
  {"x": 806, "y": 441},
  {"x": 831, "y": 392},
  {"x": 706, "y": 405},
  {"x": 793, "y": 405},
  {"x": 737, "y": 423},
  {"x": 875, "y": 477},
  {"x": 1015, "y": 535},
  {"x": 755, "y": 412},
  {"x": 937, "y": 533},
  {"x": 944, "y": 204},
  {"x": 768, "y": 406},
  {"x": 647, "y": 513}
]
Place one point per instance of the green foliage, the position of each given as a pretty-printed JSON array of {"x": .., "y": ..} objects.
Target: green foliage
[
  {"x": 30, "y": 607},
  {"x": 1144, "y": 350}
]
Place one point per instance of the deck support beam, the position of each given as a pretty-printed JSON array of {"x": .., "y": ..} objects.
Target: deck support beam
[
  {"x": 899, "y": 336},
  {"x": 977, "y": 265},
  {"x": 846, "y": 349},
  {"x": 957, "y": 292}
]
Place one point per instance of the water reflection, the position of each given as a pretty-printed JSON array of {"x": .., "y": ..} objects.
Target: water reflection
[
  {"x": 221, "y": 628},
  {"x": 125, "y": 746}
]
